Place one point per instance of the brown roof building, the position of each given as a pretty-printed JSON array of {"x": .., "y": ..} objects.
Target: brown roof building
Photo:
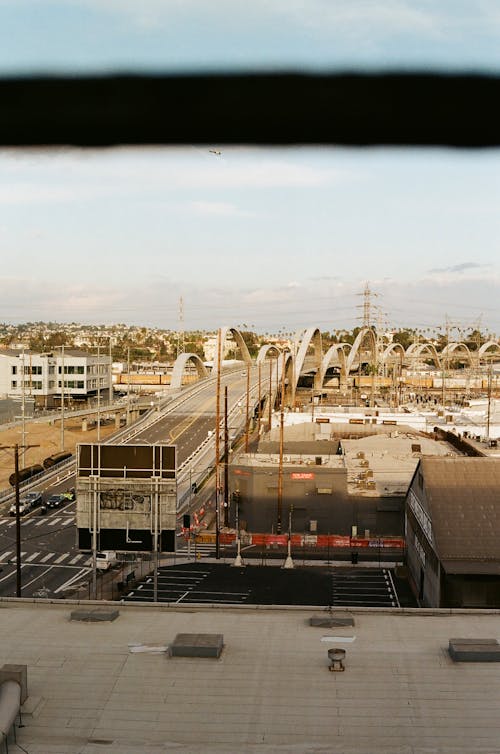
[{"x": 453, "y": 532}]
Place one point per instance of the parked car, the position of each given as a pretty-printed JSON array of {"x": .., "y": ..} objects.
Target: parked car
[
  {"x": 55, "y": 501},
  {"x": 105, "y": 559}
]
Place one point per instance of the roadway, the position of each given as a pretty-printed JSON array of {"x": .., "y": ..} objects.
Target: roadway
[{"x": 50, "y": 562}]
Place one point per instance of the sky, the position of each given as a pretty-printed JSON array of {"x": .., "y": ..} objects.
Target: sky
[{"x": 263, "y": 238}]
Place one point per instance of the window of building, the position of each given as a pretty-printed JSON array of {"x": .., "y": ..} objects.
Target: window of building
[
  {"x": 80, "y": 384},
  {"x": 13, "y": 384},
  {"x": 14, "y": 370},
  {"x": 80, "y": 370}
]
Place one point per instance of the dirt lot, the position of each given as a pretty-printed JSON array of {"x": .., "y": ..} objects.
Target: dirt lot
[{"x": 48, "y": 437}]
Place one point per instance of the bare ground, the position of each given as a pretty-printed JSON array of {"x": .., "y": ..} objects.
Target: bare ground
[{"x": 47, "y": 436}]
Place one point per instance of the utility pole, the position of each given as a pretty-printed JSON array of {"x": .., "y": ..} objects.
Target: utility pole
[
  {"x": 110, "y": 376},
  {"x": 226, "y": 462},
  {"x": 18, "y": 521},
  {"x": 217, "y": 447},
  {"x": 128, "y": 386},
  {"x": 15, "y": 448},
  {"x": 488, "y": 416},
  {"x": 62, "y": 397},
  {"x": 247, "y": 409},
  {"x": 23, "y": 414},
  {"x": 98, "y": 391},
  {"x": 444, "y": 363},
  {"x": 270, "y": 392},
  {"x": 280, "y": 468},
  {"x": 260, "y": 398}
]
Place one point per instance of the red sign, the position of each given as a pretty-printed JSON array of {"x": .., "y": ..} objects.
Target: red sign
[{"x": 302, "y": 475}]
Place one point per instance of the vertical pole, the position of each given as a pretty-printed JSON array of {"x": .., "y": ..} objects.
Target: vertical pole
[
  {"x": 62, "y": 397},
  {"x": 98, "y": 391},
  {"x": 110, "y": 375},
  {"x": 217, "y": 447},
  {"x": 23, "y": 416},
  {"x": 280, "y": 469},
  {"x": 312, "y": 401},
  {"x": 18, "y": 521},
  {"x": 270, "y": 392},
  {"x": 226, "y": 462},
  {"x": 488, "y": 416},
  {"x": 128, "y": 386},
  {"x": 94, "y": 541},
  {"x": 247, "y": 409},
  {"x": 260, "y": 397},
  {"x": 155, "y": 544}
]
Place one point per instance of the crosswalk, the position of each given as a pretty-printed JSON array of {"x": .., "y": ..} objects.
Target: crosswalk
[
  {"x": 47, "y": 558},
  {"x": 196, "y": 552},
  {"x": 34, "y": 521}
]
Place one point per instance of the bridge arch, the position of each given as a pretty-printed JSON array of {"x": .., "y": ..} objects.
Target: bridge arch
[
  {"x": 180, "y": 364},
  {"x": 417, "y": 349},
  {"x": 223, "y": 333},
  {"x": 487, "y": 346},
  {"x": 336, "y": 351},
  {"x": 365, "y": 332},
  {"x": 390, "y": 350},
  {"x": 311, "y": 336},
  {"x": 265, "y": 349},
  {"x": 452, "y": 347}
]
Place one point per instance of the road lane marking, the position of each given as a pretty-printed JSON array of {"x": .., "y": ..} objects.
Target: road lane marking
[
  {"x": 47, "y": 557},
  {"x": 31, "y": 557},
  {"x": 40, "y": 575},
  {"x": 62, "y": 557},
  {"x": 82, "y": 572},
  {"x": 76, "y": 559},
  {"x": 54, "y": 521},
  {"x": 39, "y": 523},
  {"x": 5, "y": 555}
]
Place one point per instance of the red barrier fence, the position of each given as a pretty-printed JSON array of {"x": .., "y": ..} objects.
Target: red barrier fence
[{"x": 320, "y": 541}]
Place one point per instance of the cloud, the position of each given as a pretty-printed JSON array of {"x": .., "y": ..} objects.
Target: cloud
[
  {"x": 333, "y": 15},
  {"x": 76, "y": 175},
  {"x": 458, "y": 268}
]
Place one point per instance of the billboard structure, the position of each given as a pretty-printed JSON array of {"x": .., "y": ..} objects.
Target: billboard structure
[{"x": 126, "y": 497}]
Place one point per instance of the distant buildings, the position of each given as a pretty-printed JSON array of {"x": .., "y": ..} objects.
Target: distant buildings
[{"x": 47, "y": 376}]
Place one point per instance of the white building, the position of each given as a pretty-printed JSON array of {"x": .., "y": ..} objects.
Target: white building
[{"x": 40, "y": 375}]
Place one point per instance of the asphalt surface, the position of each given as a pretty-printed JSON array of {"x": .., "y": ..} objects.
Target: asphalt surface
[
  {"x": 49, "y": 558},
  {"x": 203, "y": 582}
]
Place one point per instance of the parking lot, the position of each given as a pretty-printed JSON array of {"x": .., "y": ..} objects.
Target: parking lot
[{"x": 203, "y": 582}]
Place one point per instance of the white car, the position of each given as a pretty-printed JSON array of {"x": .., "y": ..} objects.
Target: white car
[
  {"x": 105, "y": 559},
  {"x": 26, "y": 503}
]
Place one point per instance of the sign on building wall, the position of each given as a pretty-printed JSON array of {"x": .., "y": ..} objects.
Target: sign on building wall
[{"x": 126, "y": 497}]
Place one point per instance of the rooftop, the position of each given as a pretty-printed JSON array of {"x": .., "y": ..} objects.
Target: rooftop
[{"x": 96, "y": 687}]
